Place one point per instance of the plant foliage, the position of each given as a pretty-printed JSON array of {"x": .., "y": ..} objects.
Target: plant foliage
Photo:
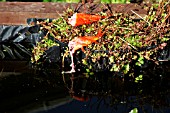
[{"x": 126, "y": 45}]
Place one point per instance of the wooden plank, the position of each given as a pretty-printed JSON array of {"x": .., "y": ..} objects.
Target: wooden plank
[
  {"x": 20, "y": 18},
  {"x": 16, "y": 13},
  {"x": 39, "y": 7}
]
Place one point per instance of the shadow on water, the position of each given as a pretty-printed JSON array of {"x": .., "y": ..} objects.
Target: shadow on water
[
  {"x": 23, "y": 89},
  {"x": 45, "y": 90}
]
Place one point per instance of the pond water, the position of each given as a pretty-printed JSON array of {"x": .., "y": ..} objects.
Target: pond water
[{"x": 24, "y": 89}]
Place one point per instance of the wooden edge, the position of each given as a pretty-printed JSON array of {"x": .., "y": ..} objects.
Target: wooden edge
[{"x": 17, "y": 13}]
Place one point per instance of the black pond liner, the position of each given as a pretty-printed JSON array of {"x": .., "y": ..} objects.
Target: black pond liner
[{"x": 16, "y": 41}]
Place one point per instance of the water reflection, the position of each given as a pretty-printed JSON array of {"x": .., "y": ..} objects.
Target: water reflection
[
  {"x": 110, "y": 93},
  {"x": 46, "y": 90},
  {"x": 96, "y": 105}
]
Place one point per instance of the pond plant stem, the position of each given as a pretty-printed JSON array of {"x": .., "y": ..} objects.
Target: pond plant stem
[{"x": 140, "y": 17}]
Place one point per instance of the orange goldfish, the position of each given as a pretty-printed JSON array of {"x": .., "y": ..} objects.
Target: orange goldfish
[
  {"x": 82, "y": 18},
  {"x": 79, "y": 43}
]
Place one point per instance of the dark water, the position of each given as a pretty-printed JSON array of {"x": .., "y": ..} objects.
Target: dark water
[{"x": 45, "y": 90}]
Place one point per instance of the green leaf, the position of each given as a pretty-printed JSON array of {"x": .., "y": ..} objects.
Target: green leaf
[
  {"x": 111, "y": 59},
  {"x": 127, "y": 67},
  {"x": 91, "y": 73},
  {"x": 84, "y": 62},
  {"x": 88, "y": 70},
  {"x": 138, "y": 64},
  {"x": 118, "y": 21},
  {"x": 139, "y": 78},
  {"x": 135, "y": 110},
  {"x": 164, "y": 39},
  {"x": 140, "y": 61},
  {"x": 115, "y": 68}
]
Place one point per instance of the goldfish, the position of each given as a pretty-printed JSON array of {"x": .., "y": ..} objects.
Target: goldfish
[
  {"x": 79, "y": 43},
  {"x": 82, "y": 18}
]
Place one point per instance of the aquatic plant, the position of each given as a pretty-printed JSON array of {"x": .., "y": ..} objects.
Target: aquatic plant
[{"x": 125, "y": 46}]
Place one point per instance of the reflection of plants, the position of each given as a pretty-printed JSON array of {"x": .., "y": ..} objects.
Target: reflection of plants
[
  {"x": 111, "y": 91},
  {"x": 126, "y": 45}
]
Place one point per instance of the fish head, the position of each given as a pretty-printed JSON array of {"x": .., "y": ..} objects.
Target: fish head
[{"x": 72, "y": 20}]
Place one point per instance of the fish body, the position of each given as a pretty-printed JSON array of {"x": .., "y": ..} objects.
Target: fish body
[
  {"x": 82, "y": 18},
  {"x": 80, "y": 42}
]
